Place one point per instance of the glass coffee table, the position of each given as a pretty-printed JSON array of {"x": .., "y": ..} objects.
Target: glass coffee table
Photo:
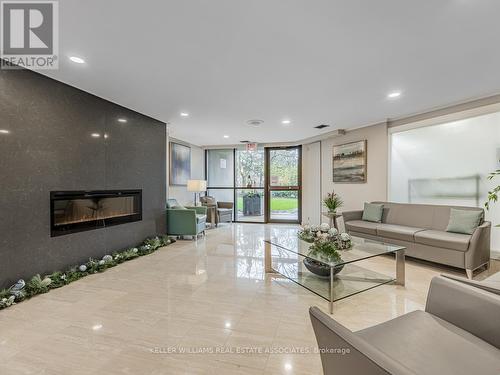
[{"x": 285, "y": 254}]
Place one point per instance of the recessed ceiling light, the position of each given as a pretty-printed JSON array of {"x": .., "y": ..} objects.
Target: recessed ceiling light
[
  {"x": 122, "y": 120},
  {"x": 288, "y": 366},
  {"x": 97, "y": 327},
  {"x": 227, "y": 325},
  {"x": 184, "y": 114},
  {"x": 394, "y": 94},
  {"x": 226, "y": 136},
  {"x": 3, "y": 131},
  {"x": 77, "y": 60},
  {"x": 105, "y": 136},
  {"x": 95, "y": 135},
  {"x": 286, "y": 122}
]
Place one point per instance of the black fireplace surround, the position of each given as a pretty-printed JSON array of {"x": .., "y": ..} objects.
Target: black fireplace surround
[{"x": 77, "y": 211}]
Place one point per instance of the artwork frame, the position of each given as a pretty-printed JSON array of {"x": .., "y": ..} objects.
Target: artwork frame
[
  {"x": 349, "y": 163},
  {"x": 180, "y": 164}
]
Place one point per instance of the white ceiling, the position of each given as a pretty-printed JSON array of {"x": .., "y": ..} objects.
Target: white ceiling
[{"x": 312, "y": 61}]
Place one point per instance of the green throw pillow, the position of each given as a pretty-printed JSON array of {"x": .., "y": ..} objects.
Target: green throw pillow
[
  {"x": 373, "y": 212},
  {"x": 464, "y": 221}
]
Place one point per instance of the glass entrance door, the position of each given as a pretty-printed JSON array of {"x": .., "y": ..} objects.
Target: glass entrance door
[{"x": 283, "y": 189}]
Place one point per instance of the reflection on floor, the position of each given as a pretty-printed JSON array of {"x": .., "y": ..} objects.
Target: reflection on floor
[{"x": 192, "y": 297}]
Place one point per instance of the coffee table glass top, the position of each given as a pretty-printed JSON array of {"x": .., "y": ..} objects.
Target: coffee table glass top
[
  {"x": 361, "y": 248},
  {"x": 356, "y": 272}
]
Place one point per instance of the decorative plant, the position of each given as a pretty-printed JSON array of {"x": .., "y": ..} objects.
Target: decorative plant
[
  {"x": 306, "y": 234},
  {"x": 493, "y": 194},
  {"x": 6, "y": 302},
  {"x": 324, "y": 232},
  {"x": 327, "y": 248},
  {"x": 38, "y": 285},
  {"x": 333, "y": 202}
]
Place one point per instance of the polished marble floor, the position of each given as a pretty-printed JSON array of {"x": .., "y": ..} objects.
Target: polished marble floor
[{"x": 208, "y": 296}]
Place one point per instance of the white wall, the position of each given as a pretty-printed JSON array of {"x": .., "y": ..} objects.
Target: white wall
[
  {"x": 311, "y": 183},
  {"x": 354, "y": 195},
  {"x": 457, "y": 149},
  {"x": 197, "y": 173}
]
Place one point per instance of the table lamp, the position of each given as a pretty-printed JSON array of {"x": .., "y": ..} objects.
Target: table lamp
[{"x": 196, "y": 186}]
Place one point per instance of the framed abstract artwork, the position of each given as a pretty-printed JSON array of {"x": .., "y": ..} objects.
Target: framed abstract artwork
[
  {"x": 180, "y": 164},
  {"x": 350, "y": 162}
]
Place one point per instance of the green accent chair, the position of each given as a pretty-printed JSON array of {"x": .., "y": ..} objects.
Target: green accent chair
[{"x": 185, "y": 221}]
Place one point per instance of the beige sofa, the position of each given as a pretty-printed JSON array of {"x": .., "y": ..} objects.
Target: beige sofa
[{"x": 422, "y": 230}]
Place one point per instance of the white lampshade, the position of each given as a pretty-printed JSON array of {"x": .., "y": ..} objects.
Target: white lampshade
[{"x": 197, "y": 185}]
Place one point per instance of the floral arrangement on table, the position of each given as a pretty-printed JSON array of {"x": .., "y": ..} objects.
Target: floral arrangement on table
[
  {"x": 328, "y": 243},
  {"x": 333, "y": 202},
  {"x": 323, "y": 232},
  {"x": 37, "y": 284}
]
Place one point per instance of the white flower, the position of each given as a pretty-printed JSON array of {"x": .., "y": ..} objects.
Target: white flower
[
  {"x": 333, "y": 232},
  {"x": 306, "y": 227},
  {"x": 82, "y": 268},
  {"x": 107, "y": 258},
  {"x": 322, "y": 236},
  {"x": 324, "y": 227},
  {"x": 135, "y": 250},
  {"x": 314, "y": 228},
  {"x": 102, "y": 262},
  {"x": 345, "y": 237},
  {"x": 64, "y": 277}
]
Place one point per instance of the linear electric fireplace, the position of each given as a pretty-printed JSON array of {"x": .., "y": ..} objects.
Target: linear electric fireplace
[{"x": 77, "y": 211}]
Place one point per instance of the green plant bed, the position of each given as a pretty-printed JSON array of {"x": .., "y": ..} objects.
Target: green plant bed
[{"x": 37, "y": 284}]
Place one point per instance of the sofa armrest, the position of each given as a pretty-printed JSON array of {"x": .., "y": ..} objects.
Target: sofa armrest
[
  {"x": 200, "y": 210},
  {"x": 479, "y": 247},
  {"x": 352, "y": 215},
  {"x": 467, "y": 307},
  {"x": 181, "y": 222},
  {"x": 344, "y": 352}
]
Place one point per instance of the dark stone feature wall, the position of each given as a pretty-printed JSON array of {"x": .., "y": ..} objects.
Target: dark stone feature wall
[{"x": 49, "y": 148}]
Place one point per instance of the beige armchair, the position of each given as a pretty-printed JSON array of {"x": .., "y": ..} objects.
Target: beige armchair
[
  {"x": 458, "y": 333},
  {"x": 223, "y": 210}
]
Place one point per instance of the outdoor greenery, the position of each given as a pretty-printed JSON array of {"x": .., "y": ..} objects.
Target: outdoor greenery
[
  {"x": 278, "y": 204},
  {"x": 38, "y": 284},
  {"x": 250, "y": 168},
  {"x": 284, "y": 167}
]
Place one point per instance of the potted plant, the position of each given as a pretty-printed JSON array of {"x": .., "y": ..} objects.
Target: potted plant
[
  {"x": 252, "y": 204},
  {"x": 326, "y": 249},
  {"x": 333, "y": 202}
]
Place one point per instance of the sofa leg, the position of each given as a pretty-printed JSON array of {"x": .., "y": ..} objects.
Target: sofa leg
[{"x": 469, "y": 273}]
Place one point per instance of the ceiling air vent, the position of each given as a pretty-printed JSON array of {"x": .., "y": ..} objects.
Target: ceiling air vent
[
  {"x": 322, "y": 126},
  {"x": 244, "y": 141},
  {"x": 255, "y": 122}
]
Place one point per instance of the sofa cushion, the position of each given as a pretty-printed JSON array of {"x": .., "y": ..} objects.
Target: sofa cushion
[
  {"x": 464, "y": 221},
  {"x": 373, "y": 212},
  {"x": 453, "y": 241},
  {"x": 201, "y": 218},
  {"x": 427, "y": 344},
  {"x": 398, "y": 232},
  {"x": 362, "y": 226}
]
